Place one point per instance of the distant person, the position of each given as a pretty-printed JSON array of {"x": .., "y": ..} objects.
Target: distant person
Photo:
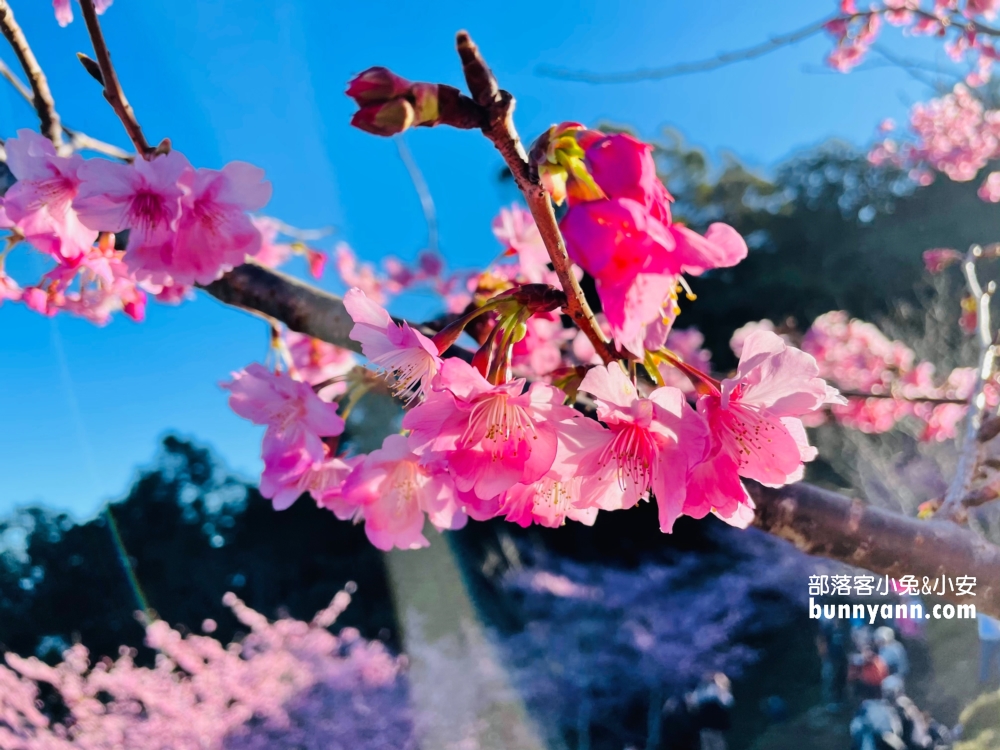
[
  {"x": 989, "y": 649},
  {"x": 916, "y": 733},
  {"x": 877, "y": 726},
  {"x": 892, "y": 652},
  {"x": 865, "y": 674}
]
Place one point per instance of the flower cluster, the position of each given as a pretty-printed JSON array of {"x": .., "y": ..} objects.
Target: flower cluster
[
  {"x": 497, "y": 433},
  {"x": 117, "y": 232},
  {"x": 859, "y": 358},
  {"x": 955, "y": 21},
  {"x": 619, "y": 229},
  {"x": 954, "y": 134},
  {"x": 277, "y": 687}
]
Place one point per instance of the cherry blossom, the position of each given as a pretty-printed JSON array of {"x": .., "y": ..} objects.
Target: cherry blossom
[
  {"x": 39, "y": 204},
  {"x": 405, "y": 354},
  {"x": 294, "y": 415},
  {"x": 145, "y": 198},
  {"x": 650, "y": 444},
  {"x": 515, "y": 229},
  {"x": 490, "y": 437},
  {"x": 317, "y": 362},
  {"x": 214, "y": 233},
  {"x": 628, "y": 243},
  {"x": 394, "y": 493},
  {"x": 754, "y": 416},
  {"x": 550, "y": 502},
  {"x": 290, "y": 471}
]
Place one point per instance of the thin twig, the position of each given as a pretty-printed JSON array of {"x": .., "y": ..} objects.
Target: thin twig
[
  {"x": 78, "y": 141},
  {"x": 41, "y": 97},
  {"x": 969, "y": 450},
  {"x": 112, "y": 88},
  {"x": 680, "y": 69},
  {"x": 499, "y": 128},
  {"x": 423, "y": 192},
  {"x": 915, "y": 400},
  {"x": 773, "y": 44}
]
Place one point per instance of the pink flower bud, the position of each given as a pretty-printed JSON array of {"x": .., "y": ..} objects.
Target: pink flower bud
[
  {"x": 387, "y": 118},
  {"x": 375, "y": 85}
]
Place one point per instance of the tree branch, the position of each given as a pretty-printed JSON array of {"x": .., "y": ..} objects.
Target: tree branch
[
  {"x": 300, "y": 306},
  {"x": 499, "y": 105},
  {"x": 112, "y": 88},
  {"x": 680, "y": 69},
  {"x": 826, "y": 524},
  {"x": 41, "y": 97}
]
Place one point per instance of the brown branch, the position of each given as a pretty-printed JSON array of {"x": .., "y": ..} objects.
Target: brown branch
[
  {"x": 499, "y": 105},
  {"x": 41, "y": 97},
  {"x": 917, "y": 400},
  {"x": 827, "y": 524},
  {"x": 112, "y": 88},
  {"x": 300, "y": 306}
]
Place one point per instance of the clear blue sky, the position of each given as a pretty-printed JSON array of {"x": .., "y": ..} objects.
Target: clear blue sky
[{"x": 262, "y": 80}]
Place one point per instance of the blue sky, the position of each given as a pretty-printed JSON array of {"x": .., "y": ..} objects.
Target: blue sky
[{"x": 262, "y": 81}]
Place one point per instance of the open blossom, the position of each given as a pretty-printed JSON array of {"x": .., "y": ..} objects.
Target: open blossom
[
  {"x": 549, "y": 502},
  {"x": 650, "y": 444},
  {"x": 490, "y": 437},
  {"x": 754, "y": 416},
  {"x": 290, "y": 471},
  {"x": 291, "y": 410},
  {"x": 145, "y": 198},
  {"x": 214, "y": 232},
  {"x": 393, "y": 492},
  {"x": 409, "y": 356},
  {"x": 629, "y": 244},
  {"x": 39, "y": 204}
]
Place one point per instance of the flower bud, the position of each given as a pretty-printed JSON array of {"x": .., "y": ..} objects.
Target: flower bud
[
  {"x": 386, "y": 118},
  {"x": 376, "y": 85},
  {"x": 558, "y": 155}
]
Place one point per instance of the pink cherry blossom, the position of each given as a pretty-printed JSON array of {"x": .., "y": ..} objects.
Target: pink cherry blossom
[
  {"x": 628, "y": 243},
  {"x": 407, "y": 355},
  {"x": 650, "y": 443},
  {"x": 214, "y": 232},
  {"x": 145, "y": 198},
  {"x": 490, "y": 437},
  {"x": 294, "y": 415},
  {"x": 290, "y": 471},
  {"x": 754, "y": 416},
  {"x": 39, "y": 204},
  {"x": 938, "y": 259},
  {"x": 394, "y": 493},
  {"x": 549, "y": 502},
  {"x": 515, "y": 229}
]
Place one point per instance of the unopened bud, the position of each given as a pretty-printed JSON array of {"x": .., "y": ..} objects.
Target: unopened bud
[
  {"x": 386, "y": 118},
  {"x": 375, "y": 85},
  {"x": 558, "y": 155}
]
